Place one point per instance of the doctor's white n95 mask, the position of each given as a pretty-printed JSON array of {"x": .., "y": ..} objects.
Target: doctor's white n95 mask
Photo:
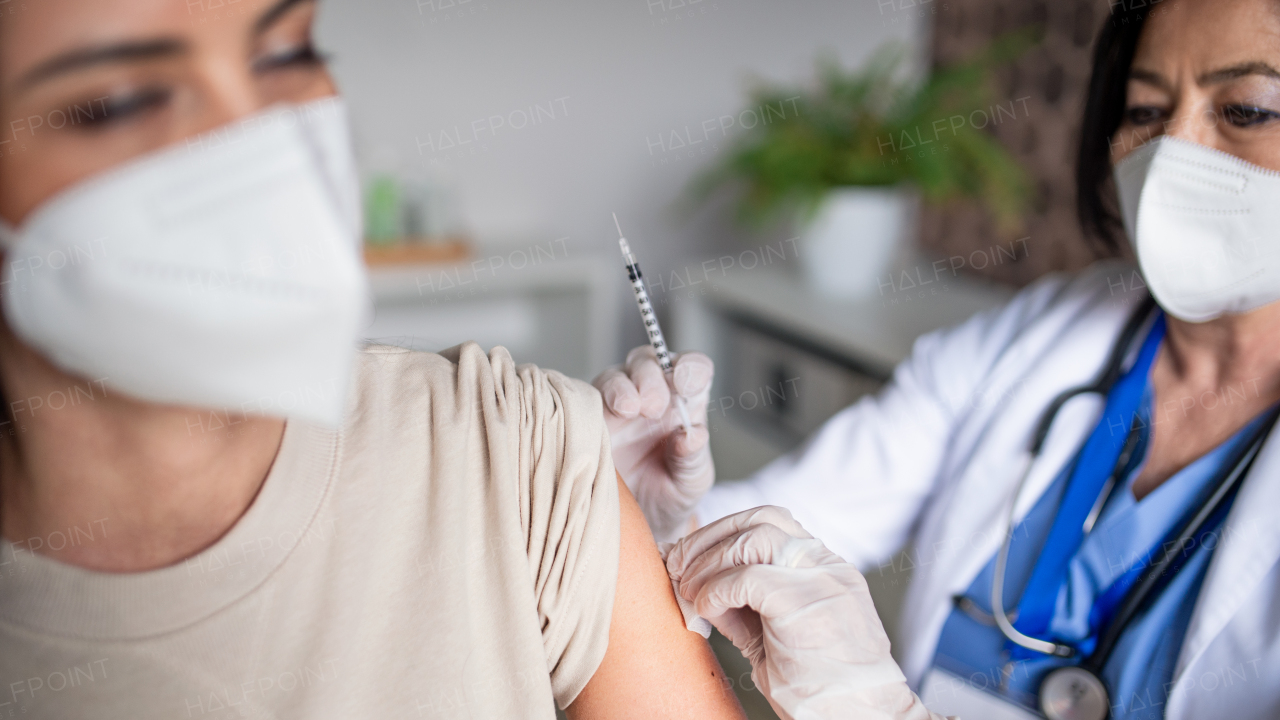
[
  {"x": 1205, "y": 226},
  {"x": 221, "y": 272}
]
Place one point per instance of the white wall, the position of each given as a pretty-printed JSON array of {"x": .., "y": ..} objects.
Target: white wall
[{"x": 614, "y": 80}]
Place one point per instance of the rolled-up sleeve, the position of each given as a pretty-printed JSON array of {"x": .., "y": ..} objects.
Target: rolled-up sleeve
[{"x": 570, "y": 496}]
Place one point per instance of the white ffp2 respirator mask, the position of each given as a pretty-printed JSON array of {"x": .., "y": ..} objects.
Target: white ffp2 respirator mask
[
  {"x": 1205, "y": 226},
  {"x": 222, "y": 272}
]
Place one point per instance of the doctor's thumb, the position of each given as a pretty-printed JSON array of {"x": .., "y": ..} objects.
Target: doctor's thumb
[{"x": 688, "y": 443}]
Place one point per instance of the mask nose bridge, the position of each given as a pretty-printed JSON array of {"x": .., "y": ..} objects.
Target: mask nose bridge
[
  {"x": 218, "y": 180},
  {"x": 1203, "y": 173}
]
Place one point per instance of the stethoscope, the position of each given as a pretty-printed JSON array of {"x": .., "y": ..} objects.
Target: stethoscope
[{"x": 1078, "y": 692}]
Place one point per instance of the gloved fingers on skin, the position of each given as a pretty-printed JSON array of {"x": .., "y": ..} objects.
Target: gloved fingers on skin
[
  {"x": 620, "y": 394},
  {"x": 739, "y": 587},
  {"x": 642, "y": 366},
  {"x": 698, "y": 542},
  {"x": 773, "y": 592},
  {"x": 693, "y": 374},
  {"x": 762, "y": 544}
]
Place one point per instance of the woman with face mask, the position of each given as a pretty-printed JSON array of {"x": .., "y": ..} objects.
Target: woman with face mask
[
  {"x": 210, "y": 503},
  {"x": 1088, "y": 479}
]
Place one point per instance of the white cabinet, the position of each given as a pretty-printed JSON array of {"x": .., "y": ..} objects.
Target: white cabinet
[{"x": 788, "y": 358}]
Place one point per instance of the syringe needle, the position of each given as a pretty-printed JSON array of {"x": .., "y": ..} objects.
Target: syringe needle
[{"x": 617, "y": 225}]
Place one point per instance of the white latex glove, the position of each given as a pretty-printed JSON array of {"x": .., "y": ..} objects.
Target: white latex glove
[
  {"x": 667, "y": 469},
  {"x": 800, "y": 614}
]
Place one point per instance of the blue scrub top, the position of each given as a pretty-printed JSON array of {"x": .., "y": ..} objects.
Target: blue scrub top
[{"x": 1140, "y": 669}]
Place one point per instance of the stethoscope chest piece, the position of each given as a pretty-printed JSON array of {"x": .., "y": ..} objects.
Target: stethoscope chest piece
[{"x": 1072, "y": 693}]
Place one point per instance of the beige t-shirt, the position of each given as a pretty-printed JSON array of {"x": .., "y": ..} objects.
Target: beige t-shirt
[{"x": 453, "y": 552}]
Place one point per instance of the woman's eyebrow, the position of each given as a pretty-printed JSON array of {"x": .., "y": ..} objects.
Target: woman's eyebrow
[
  {"x": 135, "y": 51},
  {"x": 82, "y": 58},
  {"x": 268, "y": 18},
  {"x": 1238, "y": 71}
]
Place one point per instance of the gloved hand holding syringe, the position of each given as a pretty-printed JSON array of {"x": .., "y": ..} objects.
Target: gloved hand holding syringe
[
  {"x": 650, "y": 319},
  {"x": 655, "y": 405}
]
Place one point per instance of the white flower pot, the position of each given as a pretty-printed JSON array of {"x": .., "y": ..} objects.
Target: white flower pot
[{"x": 850, "y": 244}]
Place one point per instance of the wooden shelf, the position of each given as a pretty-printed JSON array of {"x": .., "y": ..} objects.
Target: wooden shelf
[{"x": 414, "y": 252}]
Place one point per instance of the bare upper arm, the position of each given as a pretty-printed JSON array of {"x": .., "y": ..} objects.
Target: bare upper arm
[{"x": 654, "y": 667}]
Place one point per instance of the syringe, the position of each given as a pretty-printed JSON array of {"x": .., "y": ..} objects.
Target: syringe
[{"x": 651, "y": 322}]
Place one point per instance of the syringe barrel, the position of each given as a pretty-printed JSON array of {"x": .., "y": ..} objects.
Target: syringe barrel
[{"x": 649, "y": 317}]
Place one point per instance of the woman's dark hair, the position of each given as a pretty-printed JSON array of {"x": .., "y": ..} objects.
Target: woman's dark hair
[
  {"x": 1103, "y": 112},
  {"x": 6, "y": 416}
]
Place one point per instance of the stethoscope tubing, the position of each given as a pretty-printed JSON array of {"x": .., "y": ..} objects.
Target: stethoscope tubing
[
  {"x": 1102, "y": 385},
  {"x": 1157, "y": 571}
]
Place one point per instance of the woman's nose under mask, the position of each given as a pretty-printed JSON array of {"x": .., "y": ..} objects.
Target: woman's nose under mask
[{"x": 223, "y": 272}]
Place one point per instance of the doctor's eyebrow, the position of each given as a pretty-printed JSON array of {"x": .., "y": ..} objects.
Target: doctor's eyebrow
[
  {"x": 1238, "y": 71},
  {"x": 1233, "y": 72},
  {"x": 137, "y": 51},
  {"x": 1150, "y": 77}
]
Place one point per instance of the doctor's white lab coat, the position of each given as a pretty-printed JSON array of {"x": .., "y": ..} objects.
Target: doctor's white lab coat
[{"x": 933, "y": 459}]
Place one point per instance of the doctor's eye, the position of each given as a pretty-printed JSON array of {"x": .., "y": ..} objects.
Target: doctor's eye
[
  {"x": 298, "y": 56},
  {"x": 1143, "y": 114},
  {"x": 1248, "y": 115}
]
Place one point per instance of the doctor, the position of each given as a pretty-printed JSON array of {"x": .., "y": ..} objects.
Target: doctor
[{"x": 1087, "y": 478}]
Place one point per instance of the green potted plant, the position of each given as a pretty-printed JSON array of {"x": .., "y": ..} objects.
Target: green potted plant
[{"x": 854, "y": 152}]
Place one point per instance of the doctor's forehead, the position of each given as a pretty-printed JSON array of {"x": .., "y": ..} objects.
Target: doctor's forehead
[
  {"x": 1209, "y": 42},
  {"x": 41, "y": 41}
]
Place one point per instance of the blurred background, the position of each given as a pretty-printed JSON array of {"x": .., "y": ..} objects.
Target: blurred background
[{"x": 808, "y": 186}]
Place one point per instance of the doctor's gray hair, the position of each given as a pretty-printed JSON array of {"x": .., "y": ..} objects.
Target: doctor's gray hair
[{"x": 1096, "y": 203}]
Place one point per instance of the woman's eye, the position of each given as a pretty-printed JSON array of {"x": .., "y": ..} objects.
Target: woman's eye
[
  {"x": 1248, "y": 115},
  {"x": 299, "y": 56},
  {"x": 1143, "y": 115},
  {"x": 125, "y": 106}
]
